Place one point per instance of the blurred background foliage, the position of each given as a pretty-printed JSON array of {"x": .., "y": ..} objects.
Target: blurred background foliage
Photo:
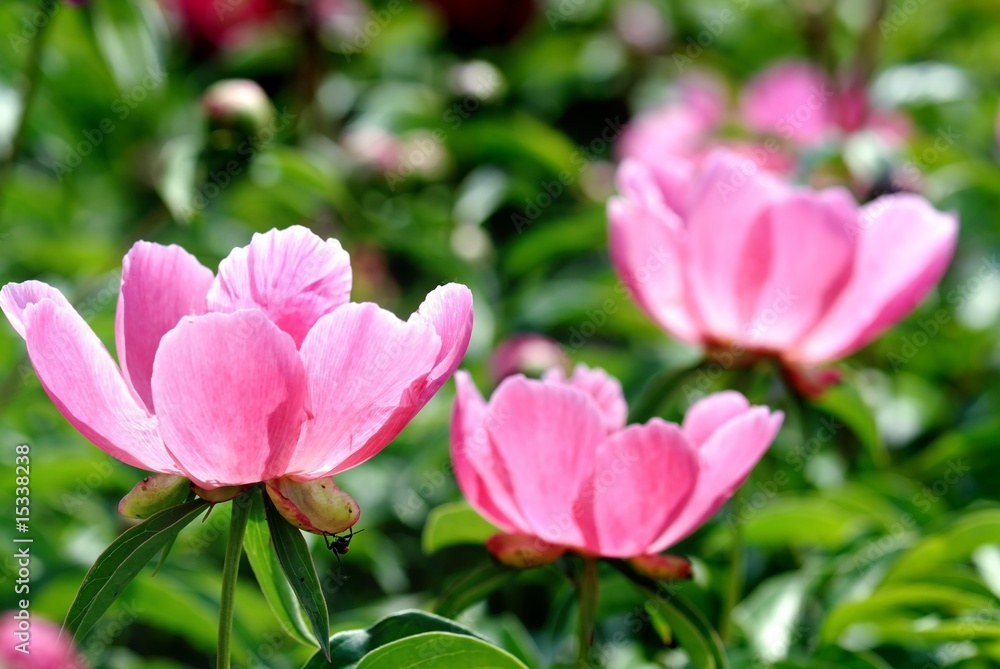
[{"x": 442, "y": 143}]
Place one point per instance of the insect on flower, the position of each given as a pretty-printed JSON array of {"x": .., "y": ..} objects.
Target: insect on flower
[{"x": 340, "y": 544}]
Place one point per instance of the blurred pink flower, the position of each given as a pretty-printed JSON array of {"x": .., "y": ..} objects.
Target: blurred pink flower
[
  {"x": 264, "y": 371},
  {"x": 45, "y": 649},
  {"x": 529, "y": 354},
  {"x": 218, "y": 22},
  {"x": 742, "y": 259},
  {"x": 796, "y": 101},
  {"x": 552, "y": 463}
]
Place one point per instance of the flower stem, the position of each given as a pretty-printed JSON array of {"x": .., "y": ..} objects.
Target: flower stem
[
  {"x": 734, "y": 584},
  {"x": 230, "y": 570},
  {"x": 589, "y": 585}
]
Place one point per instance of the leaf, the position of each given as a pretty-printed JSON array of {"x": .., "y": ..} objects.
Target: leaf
[
  {"x": 956, "y": 544},
  {"x": 689, "y": 635},
  {"x": 123, "y": 560},
  {"x": 453, "y": 524},
  {"x": 770, "y": 615},
  {"x": 347, "y": 648},
  {"x": 439, "y": 650},
  {"x": 297, "y": 564},
  {"x": 273, "y": 584},
  {"x": 473, "y": 588},
  {"x": 843, "y": 401}
]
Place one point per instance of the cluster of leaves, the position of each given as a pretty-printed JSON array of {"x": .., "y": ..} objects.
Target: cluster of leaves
[{"x": 872, "y": 525}]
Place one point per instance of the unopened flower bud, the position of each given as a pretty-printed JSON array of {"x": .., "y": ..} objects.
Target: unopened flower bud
[
  {"x": 315, "y": 506},
  {"x": 235, "y": 109},
  {"x": 662, "y": 567},
  {"x": 523, "y": 551},
  {"x": 154, "y": 493},
  {"x": 220, "y": 495}
]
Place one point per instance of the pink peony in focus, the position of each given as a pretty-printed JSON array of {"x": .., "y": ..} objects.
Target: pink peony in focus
[
  {"x": 552, "y": 464},
  {"x": 739, "y": 258},
  {"x": 266, "y": 372},
  {"x": 46, "y": 649},
  {"x": 796, "y": 101}
]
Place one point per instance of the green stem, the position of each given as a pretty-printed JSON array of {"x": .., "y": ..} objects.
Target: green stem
[
  {"x": 230, "y": 570},
  {"x": 34, "y": 68},
  {"x": 589, "y": 585},
  {"x": 734, "y": 584}
]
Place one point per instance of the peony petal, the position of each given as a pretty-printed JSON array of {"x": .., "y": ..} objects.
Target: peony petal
[
  {"x": 230, "y": 393},
  {"x": 797, "y": 259},
  {"x": 605, "y": 390},
  {"x": 480, "y": 473},
  {"x": 160, "y": 285},
  {"x": 732, "y": 196},
  {"x": 643, "y": 476},
  {"x": 363, "y": 365},
  {"x": 291, "y": 275},
  {"x": 86, "y": 386},
  {"x": 646, "y": 244},
  {"x": 904, "y": 247},
  {"x": 791, "y": 100},
  {"x": 725, "y": 460},
  {"x": 449, "y": 309},
  {"x": 709, "y": 414},
  {"x": 16, "y": 297},
  {"x": 546, "y": 436}
]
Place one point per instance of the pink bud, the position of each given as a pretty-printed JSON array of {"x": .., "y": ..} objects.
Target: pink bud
[{"x": 317, "y": 506}]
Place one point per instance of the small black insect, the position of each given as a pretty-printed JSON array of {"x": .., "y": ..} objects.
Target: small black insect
[{"x": 340, "y": 544}]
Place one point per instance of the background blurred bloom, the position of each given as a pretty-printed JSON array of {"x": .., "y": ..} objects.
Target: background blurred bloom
[
  {"x": 747, "y": 260},
  {"x": 218, "y": 22},
  {"x": 796, "y": 101},
  {"x": 264, "y": 371},
  {"x": 552, "y": 460},
  {"x": 529, "y": 354},
  {"x": 47, "y": 650}
]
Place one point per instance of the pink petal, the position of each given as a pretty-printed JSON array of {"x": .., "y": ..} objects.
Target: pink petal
[
  {"x": 480, "y": 473},
  {"x": 49, "y": 647},
  {"x": 16, "y": 297},
  {"x": 732, "y": 196},
  {"x": 86, "y": 386},
  {"x": 797, "y": 259},
  {"x": 160, "y": 285},
  {"x": 449, "y": 309},
  {"x": 726, "y": 458},
  {"x": 646, "y": 244},
  {"x": 904, "y": 246},
  {"x": 291, "y": 275},
  {"x": 546, "y": 435},
  {"x": 642, "y": 478},
  {"x": 790, "y": 100},
  {"x": 710, "y": 413},
  {"x": 230, "y": 393},
  {"x": 363, "y": 365},
  {"x": 605, "y": 390}
]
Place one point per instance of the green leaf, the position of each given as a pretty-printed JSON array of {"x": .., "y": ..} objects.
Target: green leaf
[
  {"x": 122, "y": 562},
  {"x": 473, "y": 588},
  {"x": 347, "y": 648},
  {"x": 956, "y": 544},
  {"x": 453, "y": 524},
  {"x": 273, "y": 584},
  {"x": 843, "y": 401},
  {"x": 704, "y": 650},
  {"x": 297, "y": 564},
  {"x": 439, "y": 650}
]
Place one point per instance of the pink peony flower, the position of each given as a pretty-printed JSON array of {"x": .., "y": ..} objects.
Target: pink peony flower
[
  {"x": 45, "y": 650},
  {"x": 796, "y": 101},
  {"x": 743, "y": 259},
  {"x": 552, "y": 464},
  {"x": 266, "y": 372}
]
